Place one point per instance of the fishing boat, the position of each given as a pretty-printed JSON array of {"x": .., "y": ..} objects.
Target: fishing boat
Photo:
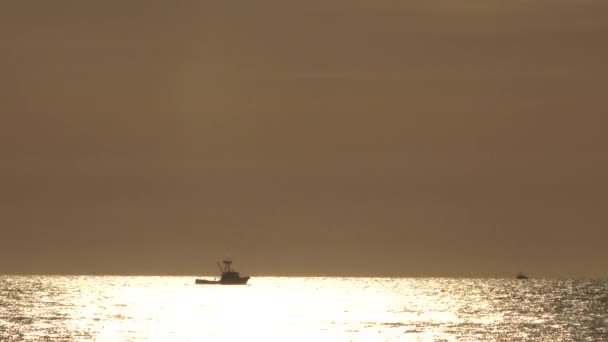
[
  {"x": 229, "y": 276},
  {"x": 521, "y": 276}
]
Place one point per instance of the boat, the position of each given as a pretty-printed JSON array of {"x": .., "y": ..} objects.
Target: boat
[
  {"x": 521, "y": 276},
  {"x": 229, "y": 276}
]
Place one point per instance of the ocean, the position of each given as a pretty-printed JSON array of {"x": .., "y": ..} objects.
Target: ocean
[{"x": 144, "y": 308}]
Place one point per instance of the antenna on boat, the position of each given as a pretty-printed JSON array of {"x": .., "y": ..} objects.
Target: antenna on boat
[{"x": 220, "y": 266}]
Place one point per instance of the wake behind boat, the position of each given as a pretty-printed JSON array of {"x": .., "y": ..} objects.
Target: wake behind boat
[{"x": 229, "y": 276}]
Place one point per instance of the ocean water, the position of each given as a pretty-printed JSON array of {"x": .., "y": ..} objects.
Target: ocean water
[{"x": 99, "y": 308}]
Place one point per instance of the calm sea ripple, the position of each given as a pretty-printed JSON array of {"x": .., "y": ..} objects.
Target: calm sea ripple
[{"x": 98, "y": 308}]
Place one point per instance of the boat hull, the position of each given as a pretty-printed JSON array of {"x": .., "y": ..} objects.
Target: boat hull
[{"x": 239, "y": 281}]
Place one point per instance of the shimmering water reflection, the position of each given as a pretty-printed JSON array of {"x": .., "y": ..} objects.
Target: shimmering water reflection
[{"x": 99, "y": 308}]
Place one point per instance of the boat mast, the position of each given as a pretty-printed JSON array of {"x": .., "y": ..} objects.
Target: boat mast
[{"x": 227, "y": 264}]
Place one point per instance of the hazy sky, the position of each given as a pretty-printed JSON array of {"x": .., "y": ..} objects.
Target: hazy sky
[{"x": 375, "y": 137}]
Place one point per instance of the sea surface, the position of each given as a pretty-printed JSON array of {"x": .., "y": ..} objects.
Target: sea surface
[{"x": 100, "y": 308}]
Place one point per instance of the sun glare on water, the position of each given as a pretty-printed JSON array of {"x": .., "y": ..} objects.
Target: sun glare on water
[
  {"x": 301, "y": 309},
  {"x": 38, "y": 308}
]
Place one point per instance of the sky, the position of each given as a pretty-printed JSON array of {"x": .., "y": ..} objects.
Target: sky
[{"x": 324, "y": 137}]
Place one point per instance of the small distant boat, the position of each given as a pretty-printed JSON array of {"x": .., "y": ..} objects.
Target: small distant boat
[
  {"x": 229, "y": 276},
  {"x": 521, "y": 276}
]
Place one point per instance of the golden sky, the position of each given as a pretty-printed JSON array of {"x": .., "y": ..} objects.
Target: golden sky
[{"x": 435, "y": 137}]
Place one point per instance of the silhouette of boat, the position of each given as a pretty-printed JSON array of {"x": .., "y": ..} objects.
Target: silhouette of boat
[
  {"x": 229, "y": 276},
  {"x": 521, "y": 276}
]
